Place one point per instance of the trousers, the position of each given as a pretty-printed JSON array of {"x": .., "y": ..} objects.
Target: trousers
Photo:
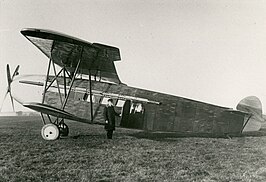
[{"x": 110, "y": 134}]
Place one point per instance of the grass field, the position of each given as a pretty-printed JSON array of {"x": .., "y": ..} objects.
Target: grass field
[{"x": 131, "y": 156}]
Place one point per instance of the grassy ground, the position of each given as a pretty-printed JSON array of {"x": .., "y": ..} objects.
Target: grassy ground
[{"x": 131, "y": 156}]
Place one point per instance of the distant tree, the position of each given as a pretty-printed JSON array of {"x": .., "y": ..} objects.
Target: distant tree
[
  {"x": 19, "y": 113},
  {"x": 33, "y": 114}
]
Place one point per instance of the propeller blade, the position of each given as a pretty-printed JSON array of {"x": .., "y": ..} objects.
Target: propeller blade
[
  {"x": 15, "y": 72},
  {"x": 9, "y": 80},
  {"x": 3, "y": 101},
  {"x": 12, "y": 102}
]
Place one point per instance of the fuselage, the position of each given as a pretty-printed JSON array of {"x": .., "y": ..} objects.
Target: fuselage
[{"x": 142, "y": 109}]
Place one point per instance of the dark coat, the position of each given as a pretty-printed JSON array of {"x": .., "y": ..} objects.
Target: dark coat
[{"x": 109, "y": 115}]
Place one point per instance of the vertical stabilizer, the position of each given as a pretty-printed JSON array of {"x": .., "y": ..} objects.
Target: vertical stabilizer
[{"x": 252, "y": 105}]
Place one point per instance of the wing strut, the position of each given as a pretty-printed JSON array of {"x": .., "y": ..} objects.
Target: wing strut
[
  {"x": 91, "y": 103},
  {"x": 58, "y": 87},
  {"x": 73, "y": 79},
  {"x": 72, "y": 76},
  {"x": 46, "y": 81},
  {"x": 55, "y": 78},
  {"x": 91, "y": 97},
  {"x": 64, "y": 73},
  {"x": 246, "y": 122}
]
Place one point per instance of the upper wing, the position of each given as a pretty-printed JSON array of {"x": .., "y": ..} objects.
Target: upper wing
[{"x": 97, "y": 59}]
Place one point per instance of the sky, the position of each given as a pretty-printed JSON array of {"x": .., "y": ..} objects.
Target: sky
[{"x": 211, "y": 51}]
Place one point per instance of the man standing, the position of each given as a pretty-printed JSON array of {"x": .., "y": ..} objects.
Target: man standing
[{"x": 109, "y": 116}]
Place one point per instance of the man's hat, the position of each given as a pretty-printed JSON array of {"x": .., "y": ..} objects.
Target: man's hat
[{"x": 110, "y": 100}]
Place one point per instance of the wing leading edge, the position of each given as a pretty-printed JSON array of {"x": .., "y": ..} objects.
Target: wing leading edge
[
  {"x": 46, "y": 109},
  {"x": 96, "y": 59}
]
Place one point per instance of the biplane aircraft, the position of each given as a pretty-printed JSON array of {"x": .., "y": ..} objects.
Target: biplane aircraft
[{"x": 87, "y": 78}]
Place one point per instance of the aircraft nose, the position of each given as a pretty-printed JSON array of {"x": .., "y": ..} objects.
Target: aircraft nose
[{"x": 27, "y": 88}]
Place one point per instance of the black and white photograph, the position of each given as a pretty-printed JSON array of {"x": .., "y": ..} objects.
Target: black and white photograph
[{"x": 143, "y": 90}]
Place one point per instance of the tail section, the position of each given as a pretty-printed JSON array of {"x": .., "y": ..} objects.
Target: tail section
[{"x": 253, "y": 106}]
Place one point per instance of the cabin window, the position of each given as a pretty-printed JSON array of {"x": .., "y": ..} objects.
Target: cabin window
[
  {"x": 86, "y": 97},
  {"x": 105, "y": 100},
  {"x": 136, "y": 108},
  {"x": 120, "y": 103}
]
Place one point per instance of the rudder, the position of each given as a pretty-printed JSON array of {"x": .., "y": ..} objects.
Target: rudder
[{"x": 252, "y": 105}]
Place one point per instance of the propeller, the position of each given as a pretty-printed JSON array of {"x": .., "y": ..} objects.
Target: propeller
[{"x": 9, "y": 81}]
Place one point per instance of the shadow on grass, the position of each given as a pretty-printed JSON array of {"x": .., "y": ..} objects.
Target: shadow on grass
[
  {"x": 86, "y": 136},
  {"x": 172, "y": 136},
  {"x": 260, "y": 133},
  {"x": 166, "y": 136}
]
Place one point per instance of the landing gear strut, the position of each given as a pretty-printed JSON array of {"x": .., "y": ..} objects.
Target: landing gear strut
[{"x": 64, "y": 130}]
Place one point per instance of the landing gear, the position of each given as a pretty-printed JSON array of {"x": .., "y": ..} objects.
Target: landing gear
[
  {"x": 55, "y": 129},
  {"x": 64, "y": 130},
  {"x": 50, "y": 132}
]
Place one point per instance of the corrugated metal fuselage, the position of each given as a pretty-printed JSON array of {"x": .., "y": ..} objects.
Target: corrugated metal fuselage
[{"x": 141, "y": 109}]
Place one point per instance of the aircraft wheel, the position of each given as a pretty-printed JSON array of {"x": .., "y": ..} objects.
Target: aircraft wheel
[
  {"x": 50, "y": 132},
  {"x": 64, "y": 130}
]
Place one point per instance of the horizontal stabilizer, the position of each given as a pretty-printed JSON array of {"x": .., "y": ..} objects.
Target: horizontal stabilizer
[{"x": 46, "y": 109}]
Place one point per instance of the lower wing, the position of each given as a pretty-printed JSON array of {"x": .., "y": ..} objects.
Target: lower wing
[{"x": 47, "y": 109}]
